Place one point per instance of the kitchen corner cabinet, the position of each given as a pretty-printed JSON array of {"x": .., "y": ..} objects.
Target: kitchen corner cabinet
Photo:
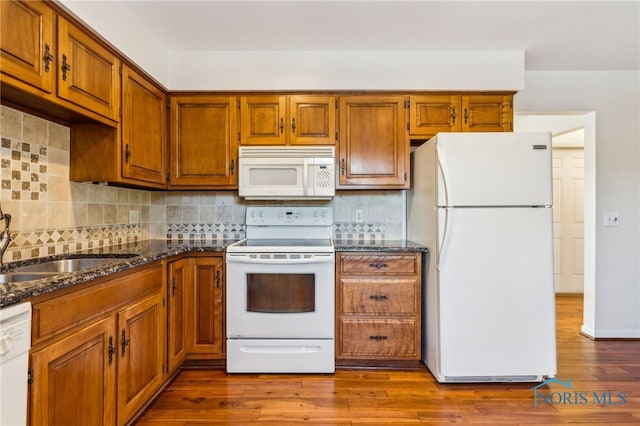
[
  {"x": 288, "y": 120},
  {"x": 378, "y": 307},
  {"x": 204, "y": 146},
  {"x": 98, "y": 352},
  {"x": 134, "y": 153},
  {"x": 434, "y": 113},
  {"x": 373, "y": 146}
]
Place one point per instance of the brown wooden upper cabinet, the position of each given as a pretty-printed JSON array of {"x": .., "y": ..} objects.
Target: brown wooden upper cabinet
[
  {"x": 373, "y": 144},
  {"x": 134, "y": 153},
  {"x": 46, "y": 55},
  {"x": 204, "y": 148},
  {"x": 287, "y": 120},
  {"x": 433, "y": 113},
  {"x": 144, "y": 150},
  {"x": 88, "y": 74},
  {"x": 28, "y": 44}
]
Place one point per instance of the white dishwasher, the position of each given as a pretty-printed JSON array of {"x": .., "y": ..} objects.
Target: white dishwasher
[{"x": 15, "y": 341}]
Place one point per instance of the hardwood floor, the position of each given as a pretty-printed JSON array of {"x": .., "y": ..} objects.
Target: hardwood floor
[{"x": 610, "y": 369}]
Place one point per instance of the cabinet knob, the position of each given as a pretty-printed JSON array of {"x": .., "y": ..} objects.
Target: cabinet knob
[
  {"x": 127, "y": 153},
  {"x": 293, "y": 125},
  {"x": 453, "y": 116},
  {"x": 48, "y": 57},
  {"x": 174, "y": 286},
  {"x": 125, "y": 342},
  {"x": 342, "y": 167},
  {"x": 65, "y": 67},
  {"x": 232, "y": 166},
  {"x": 378, "y": 265},
  {"x": 218, "y": 280},
  {"x": 378, "y": 338},
  {"x": 111, "y": 351},
  {"x": 281, "y": 125}
]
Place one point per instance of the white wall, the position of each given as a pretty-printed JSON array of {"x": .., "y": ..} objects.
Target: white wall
[
  {"x": 122, "y": 28},
  {"x": 347, "y": 70},
  {"x": 614, "y": 96}
]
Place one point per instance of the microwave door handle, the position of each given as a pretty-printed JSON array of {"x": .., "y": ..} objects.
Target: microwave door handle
[{"x": 305, "y": 178}]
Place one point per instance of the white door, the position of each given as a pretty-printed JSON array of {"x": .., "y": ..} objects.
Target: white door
[
  {"x": 568, "y": 219},
  {"x": 496, "y": 297}
]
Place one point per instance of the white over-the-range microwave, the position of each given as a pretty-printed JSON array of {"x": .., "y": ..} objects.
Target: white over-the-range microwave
[{"x": 286, "y": 172}]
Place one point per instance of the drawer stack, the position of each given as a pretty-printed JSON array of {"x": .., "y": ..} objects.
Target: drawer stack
[{"x": 378, "y": 306}]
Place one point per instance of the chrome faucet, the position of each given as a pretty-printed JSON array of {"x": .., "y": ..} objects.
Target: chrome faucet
[{"x": 5, "y": 236}]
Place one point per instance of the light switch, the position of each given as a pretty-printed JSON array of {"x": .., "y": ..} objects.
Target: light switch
[{"x": 611, "y": 219}]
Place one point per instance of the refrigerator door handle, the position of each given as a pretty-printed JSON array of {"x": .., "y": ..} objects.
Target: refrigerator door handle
[
  {"x": 443, "y": 176},
  {"x": 444, "y": 239}
]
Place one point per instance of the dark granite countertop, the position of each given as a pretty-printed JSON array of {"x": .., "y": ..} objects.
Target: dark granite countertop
[
  {"x": 392, "y": 245},
  {"x": 143, "y": 252}
]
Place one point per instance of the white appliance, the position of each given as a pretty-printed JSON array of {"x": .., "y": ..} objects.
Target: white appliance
[
  {"x": 482, "y": 204},
  {"x": 15, "y": 341},
  {"x": 281, "y": 292},
  {"x": 286, "y": 172}
]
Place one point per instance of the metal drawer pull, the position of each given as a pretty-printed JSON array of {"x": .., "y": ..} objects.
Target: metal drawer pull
[
  {"x": 378, "y": 265},
  {"x": 378, "y": 297},
  {"x": 378, "y": 338}
]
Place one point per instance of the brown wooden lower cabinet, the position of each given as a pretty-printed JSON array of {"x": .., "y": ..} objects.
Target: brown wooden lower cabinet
[
  {"x": 102, "y": 367},
  {"x": 196, "y": 309},
  {"x": 378, "y": 308}
]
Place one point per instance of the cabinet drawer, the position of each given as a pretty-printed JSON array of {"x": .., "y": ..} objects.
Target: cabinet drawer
[
  {"x": 59, "y": 314},
  {"x": 375, "y": 264},
  {"x": 380, "y": 297},
  {"x": 385, "y": 338}
]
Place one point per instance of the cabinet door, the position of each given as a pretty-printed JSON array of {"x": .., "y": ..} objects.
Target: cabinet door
[
  {"x": 27, "y": 42},
  {"x": 88, "y": 74},
  {"x": 430, "y": 114},
  {"x": 144, "y": 144},
  {"x": 263, "y": 120},
  {"x": 74, "y": 378},
  {"x": 487, "y": 113},
  {"x": 179, "y": 278},
  {"x": 141, "y": 345},
  {"x": 374, "y": 142},
  {"x": 204, "y": 146},
  {"x": 313, "y": 120},
  {"x": 205, "y": 304}
]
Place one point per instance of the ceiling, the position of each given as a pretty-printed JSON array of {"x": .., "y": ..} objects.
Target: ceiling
[{"x": 555, "y": 35}]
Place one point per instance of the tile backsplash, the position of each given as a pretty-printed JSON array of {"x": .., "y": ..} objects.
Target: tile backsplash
[{"x": 52, "y": 215}]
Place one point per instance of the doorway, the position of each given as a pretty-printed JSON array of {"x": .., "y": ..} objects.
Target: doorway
[{"x": 568, "y": 140}]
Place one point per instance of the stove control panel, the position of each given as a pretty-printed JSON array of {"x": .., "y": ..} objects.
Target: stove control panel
[{"x": 290, "y": 216}]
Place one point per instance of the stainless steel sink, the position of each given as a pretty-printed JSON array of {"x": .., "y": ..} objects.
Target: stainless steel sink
[
  {"x": 69, "y": 265},
  {"x": 17, "y": 277}
]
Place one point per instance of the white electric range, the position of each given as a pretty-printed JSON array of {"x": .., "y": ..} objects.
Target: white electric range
[{"x": 280, "y": 300}]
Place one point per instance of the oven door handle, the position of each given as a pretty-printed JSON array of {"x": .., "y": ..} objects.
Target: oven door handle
[{"x": 263, "y": 261}]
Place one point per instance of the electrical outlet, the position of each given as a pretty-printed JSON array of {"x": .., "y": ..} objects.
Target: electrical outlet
[
  {"x": 134, "y": 216},
  {"x": 611, "y": 219},
  {"x": 359, "y": 216}
]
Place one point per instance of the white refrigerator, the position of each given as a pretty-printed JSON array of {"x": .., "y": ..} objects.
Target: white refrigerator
[{"x": 482, "y": 204}]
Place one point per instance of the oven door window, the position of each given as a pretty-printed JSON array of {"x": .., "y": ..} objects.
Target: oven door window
[{"x": 281, "y": 293}]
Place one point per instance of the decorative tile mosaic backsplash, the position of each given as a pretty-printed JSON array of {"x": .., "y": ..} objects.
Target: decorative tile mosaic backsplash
[{"x": 52, "y": 215}]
